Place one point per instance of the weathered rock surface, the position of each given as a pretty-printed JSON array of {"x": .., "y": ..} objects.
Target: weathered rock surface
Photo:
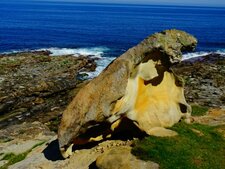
[
  {"x": 108, "y": 154},
  {"x": 37, "y": 86},
  {"x": 121, "y": 158},
  {"x": 138, "y": 85},
  {"x": 80, "y": 159},
  {"x": 18, "y": 139}
]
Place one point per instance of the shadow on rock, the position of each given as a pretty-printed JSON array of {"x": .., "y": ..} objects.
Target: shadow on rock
[
  {"x": 52, "y": 152},
  {"x": 93, "y": 165},
  {"x": 126, "y": 130}
]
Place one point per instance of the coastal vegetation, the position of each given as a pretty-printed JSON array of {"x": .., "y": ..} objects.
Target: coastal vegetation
[{"x": 196, "y": 147}]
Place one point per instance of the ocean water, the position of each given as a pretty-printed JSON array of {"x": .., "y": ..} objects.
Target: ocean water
[{"x": 103, "y": 30}]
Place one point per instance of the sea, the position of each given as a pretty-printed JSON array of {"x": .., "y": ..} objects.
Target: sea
[{"x": 103, "y": 31}]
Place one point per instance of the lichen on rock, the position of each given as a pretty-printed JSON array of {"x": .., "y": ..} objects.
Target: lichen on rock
[{"x": 138, "y": 85}]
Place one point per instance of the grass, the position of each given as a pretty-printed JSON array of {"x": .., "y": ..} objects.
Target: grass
[
  {"x": 13, "y": 158},
  {"x": 53, "y": 124},
  {"x": 198, "y": 110},
  {"x": 187, "y": 81},
  {"x": 5, "y": 140},
  {"x": 188, "y": 150}
]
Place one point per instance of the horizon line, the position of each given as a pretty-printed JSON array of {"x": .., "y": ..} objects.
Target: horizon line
[{"x": 129, "y": 4}]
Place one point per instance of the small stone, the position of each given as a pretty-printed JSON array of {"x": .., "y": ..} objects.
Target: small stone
[
  {"x": 21, "y": 87},
  {"x": 55, "y": 108},
  {"x": 39, "y": 101}
]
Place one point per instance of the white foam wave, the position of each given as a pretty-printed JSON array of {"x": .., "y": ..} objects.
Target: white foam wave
[
  {"x": 221, "y": 52},
  {"x": 202, "y": 53},
  {"x": 94, "y": 52},
  {"x": 101, "y": 65},
  {"x": 194, "y": 55}
]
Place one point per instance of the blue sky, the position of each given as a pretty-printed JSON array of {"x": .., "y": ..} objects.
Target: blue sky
[{"x": 160, "y": 2}]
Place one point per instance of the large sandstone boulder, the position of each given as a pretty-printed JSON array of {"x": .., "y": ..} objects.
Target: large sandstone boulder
[{"x": 138, "y": 85}]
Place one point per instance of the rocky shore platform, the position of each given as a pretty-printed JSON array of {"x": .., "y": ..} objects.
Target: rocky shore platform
[
  {"x": 35, "y": 88},
  {"x": 204, "y": 80}
]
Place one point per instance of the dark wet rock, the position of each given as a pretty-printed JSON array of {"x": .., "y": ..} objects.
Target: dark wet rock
[
  {"x": 204, "y": 80},
  {"x": 33, "y": 84}
]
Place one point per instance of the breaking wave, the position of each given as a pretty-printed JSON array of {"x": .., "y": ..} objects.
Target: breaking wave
[
  {"x": 96, "y": 52},
  {"x": 200, "y": 54},
  {"x": 99, "y": 53},
  {"x": 194, "y": 55}
]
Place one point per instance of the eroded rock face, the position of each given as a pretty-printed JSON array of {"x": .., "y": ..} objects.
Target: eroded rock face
[{"x": 138, "y": 85}]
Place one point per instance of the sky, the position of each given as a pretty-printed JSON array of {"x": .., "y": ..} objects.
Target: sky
[{"x": 220, "y": 3}]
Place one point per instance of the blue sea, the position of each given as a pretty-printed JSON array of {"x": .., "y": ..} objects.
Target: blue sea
[{"x": 103, "y": 30}]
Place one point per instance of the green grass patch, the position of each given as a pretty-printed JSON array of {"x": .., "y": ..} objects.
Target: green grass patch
[
  {"x": 199, "y": 110},
  {"x": 13, "y": 158},
  {"x": 188, "y": 150},
  {"x": 5, "y": 140}
]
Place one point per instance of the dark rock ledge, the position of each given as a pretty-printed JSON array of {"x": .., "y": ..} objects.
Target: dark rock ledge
[{"x": 204, "y": 79}]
